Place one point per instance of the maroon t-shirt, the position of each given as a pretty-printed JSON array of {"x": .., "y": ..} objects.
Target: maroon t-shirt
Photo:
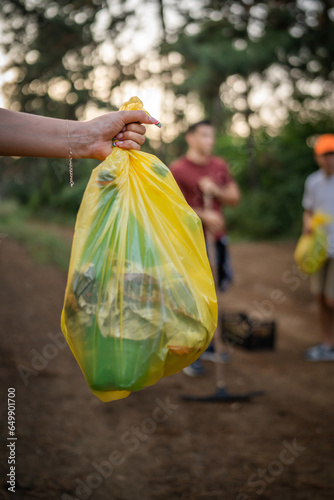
[{"x": 187, "y": 174}]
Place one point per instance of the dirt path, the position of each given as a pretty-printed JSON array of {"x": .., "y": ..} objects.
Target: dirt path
[{"x": 153, "y": 445}]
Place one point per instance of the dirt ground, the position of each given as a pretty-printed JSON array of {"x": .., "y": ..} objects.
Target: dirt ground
[{"x": 153, "y": 445}]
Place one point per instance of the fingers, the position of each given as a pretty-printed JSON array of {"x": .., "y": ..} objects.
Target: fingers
[
  {"x": 131, "y": 137},
  {"x": 217, "y": 228},
  {"x": 139, "y": 116},
  {"x": 135, "y": 127},
  {"x": 124, "y": 139},
  {"x": 132, "y": 134},
  {"x": 132, "y": 127},
  {"x": 205, "y": 184},
  {"x": 214, "y": 228},
  {"x": 130, "y": 143}
]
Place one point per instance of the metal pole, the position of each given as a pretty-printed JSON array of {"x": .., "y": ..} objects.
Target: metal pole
[{"x": 217, "y": 340}]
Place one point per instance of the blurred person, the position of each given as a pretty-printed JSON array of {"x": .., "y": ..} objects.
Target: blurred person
[
  {"x": 24, "y": 134},
  {"x": 319, "y": 196},
  {"x": 207, "y": 186}
]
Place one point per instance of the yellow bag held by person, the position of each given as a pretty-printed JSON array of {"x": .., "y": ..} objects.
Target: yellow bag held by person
[
  {"x": 140, "y": 301},
  {"x": 311, "y": 249}
]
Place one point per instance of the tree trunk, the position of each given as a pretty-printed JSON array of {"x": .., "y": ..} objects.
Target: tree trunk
[
  {"x": 162, "y": 19},
  {"x": 251, "y": 149}
]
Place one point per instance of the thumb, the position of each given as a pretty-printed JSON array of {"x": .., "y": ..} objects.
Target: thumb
[{"x": 139, "y": 116}]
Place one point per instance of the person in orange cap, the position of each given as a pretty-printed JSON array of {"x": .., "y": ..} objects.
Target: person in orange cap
[{"x": 319, "y": 196}]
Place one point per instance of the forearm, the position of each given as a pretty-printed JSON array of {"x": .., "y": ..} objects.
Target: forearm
[
  {"x": 22, "y": 134},
  {"x": 229, "y": 195},
  {"x": 307, "y": 216},
  {"x": 212, "y": 221}
]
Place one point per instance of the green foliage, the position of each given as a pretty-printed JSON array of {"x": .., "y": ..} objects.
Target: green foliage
[
  {"x": 42, "y": 183},
  {"x": 290, "y": 43},
  {"x": 53, "y": 52},
  {"x": 68, "y": 199},
  {"x": 284, "y": 162},
  {"x": 234, "y": 48},
  {"x": 45, "y": 243},
  {"x": 247, "y": 38}
]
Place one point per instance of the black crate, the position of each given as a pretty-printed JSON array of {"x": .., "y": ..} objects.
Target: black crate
[{"x": 240, "y": 330}]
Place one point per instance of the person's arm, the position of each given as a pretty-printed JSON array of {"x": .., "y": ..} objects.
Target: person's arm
[
  {"x": 226, "y": 195},
  {"x": 212, "y": 221},
  {"x": 23, "y": 134},
  {"x": 308, "y": 205},
  {"x": 307, "y": 216}
]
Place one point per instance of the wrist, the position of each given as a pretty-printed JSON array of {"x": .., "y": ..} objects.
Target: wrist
[
  {"x": 80, "y": 140},
  {"x": 219, "y": 194}
]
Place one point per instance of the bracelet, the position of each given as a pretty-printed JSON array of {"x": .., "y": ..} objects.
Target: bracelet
[{"x": 70, "y": 156}]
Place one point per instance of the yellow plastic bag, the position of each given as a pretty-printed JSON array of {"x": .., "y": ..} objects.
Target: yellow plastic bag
[
  {"x": 311, "y": 249},
  {"x": 140, "y": 301}
]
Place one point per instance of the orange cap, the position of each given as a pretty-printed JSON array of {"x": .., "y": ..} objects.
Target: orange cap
[{"x": 324, "y": 144}]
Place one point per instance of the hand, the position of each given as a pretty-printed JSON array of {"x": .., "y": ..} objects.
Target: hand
[
  {"x": 208, "y": 186},
  {"x": 123, "y": 128},
  {"x": 307, "y": 229},
  {"x": 213, "y": 221},
  {"x": 307, "y": 222}
]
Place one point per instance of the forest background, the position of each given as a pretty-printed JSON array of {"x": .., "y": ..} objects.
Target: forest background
[{"x": 263, "y": 72}]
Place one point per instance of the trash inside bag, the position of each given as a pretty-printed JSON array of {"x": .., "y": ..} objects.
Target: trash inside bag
[
  {"x": 311, "y": 250},
  {"x": 140, "y": 301}
]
